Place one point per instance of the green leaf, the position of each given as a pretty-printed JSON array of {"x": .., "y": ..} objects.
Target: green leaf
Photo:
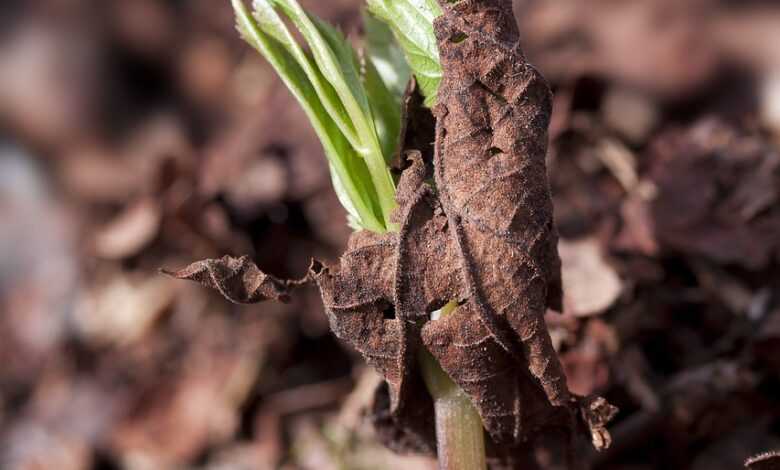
[
  {"x": 333, "y": 55},
  {"x": 385, "y": 76},
  {"x": 338, "y": 62},
  {"x": 387, "y": 56},
  {"x": 270, "y": 23},
  {"x": 412, "y": 24},
  {"x": 270, "y": 37}
]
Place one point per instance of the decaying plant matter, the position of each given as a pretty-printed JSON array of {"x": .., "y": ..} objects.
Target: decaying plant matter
[
  {"x": 476, "y": 225},
  {"x": 765, "y": 461}
]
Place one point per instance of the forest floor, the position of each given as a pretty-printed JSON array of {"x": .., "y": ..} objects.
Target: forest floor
[{"x": 146, "y": 134}]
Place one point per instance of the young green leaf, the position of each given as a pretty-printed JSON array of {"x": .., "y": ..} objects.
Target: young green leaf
[
  {"x": 333, "y": 55},
  {"x": 338, "y": 62},
  {"x": 267, "y": 33},
  {"x": 412, "y": 23},
  {"x": 386, "y": 109},
  {"x": 271, "y": 23},
  {"x": 385, "y": 75},
  {"x": 387, "y": 56}
]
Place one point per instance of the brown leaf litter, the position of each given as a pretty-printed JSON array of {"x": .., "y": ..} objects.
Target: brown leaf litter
[
  {"x": 718, "y": 188},
  {"x": 481, "y": 232}
]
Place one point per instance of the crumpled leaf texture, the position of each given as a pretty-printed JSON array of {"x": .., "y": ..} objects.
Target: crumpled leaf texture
[
  {"x": 483, "y": 234},
  {"x": 237, "y": 279}
]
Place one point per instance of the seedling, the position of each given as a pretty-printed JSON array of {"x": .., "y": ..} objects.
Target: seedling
[{"x": 445, "y": 282}]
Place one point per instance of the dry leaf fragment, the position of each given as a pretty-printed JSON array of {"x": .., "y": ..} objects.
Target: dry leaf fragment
[
  {"x": 597, "y": 413},
  {"x": 765, "y": 461},
  {"x": 237, "y": 279}
]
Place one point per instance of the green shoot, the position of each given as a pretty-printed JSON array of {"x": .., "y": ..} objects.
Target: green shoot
[
  {"x": 386, "y": 55},
  {"x": 358, "y": 132}
]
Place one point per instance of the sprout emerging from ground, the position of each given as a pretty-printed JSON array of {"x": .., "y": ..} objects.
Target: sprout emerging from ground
[{"x": 445, "y": 282}]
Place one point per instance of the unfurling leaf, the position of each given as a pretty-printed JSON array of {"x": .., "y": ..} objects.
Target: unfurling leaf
[{"x": 349, "y": 112}]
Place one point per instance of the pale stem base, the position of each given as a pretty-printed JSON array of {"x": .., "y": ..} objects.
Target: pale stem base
[{"x": 460, "y": 437}]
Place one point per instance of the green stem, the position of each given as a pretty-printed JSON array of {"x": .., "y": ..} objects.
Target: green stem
[{"x": 460, "y": 438}]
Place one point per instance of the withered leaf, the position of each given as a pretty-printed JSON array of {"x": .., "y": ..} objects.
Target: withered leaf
[
  {"x": 482, "y": 235},
  {"x": 237, "y": 279},
  {"x": 765, "y": 461}
]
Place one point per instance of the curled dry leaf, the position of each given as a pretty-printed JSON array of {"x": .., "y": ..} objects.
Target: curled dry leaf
[
  {"x": 765, "y": 461},
  {"x": 483, "y": 235},
  {"x": 237, "y": 279}
]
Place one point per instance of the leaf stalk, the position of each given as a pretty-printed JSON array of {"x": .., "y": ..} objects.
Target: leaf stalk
[{"x": 460, "y": 437}]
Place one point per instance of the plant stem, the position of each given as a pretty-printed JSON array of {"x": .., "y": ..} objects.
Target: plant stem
[{"x": 460, "y": 439}]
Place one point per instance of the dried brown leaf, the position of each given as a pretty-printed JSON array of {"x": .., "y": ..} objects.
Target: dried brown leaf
[
  {"x": 492, "y": 116},
  {"x": 237, "y": 279},
  {"x": 765, "y": 461}
]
